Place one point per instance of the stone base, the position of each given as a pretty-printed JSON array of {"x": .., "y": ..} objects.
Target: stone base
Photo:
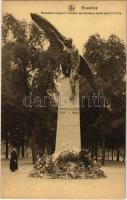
[{"x": 68, "y": 123}]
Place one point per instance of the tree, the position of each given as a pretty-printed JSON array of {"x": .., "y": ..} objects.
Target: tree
[
  {"x": 29, "y": 67},
  {"x": 107, "y": 60}
]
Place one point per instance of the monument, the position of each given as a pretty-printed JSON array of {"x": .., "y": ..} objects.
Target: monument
[
  {"x": 68, "y": 160},
  {"x": 68, "y": 122}
]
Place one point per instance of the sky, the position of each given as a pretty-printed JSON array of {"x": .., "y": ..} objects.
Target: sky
[{"x": 80, "y": 26}]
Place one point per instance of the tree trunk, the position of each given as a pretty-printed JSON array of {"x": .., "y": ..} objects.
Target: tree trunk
[
  {"x": 89, "y": 148},
  {"x": 92, "y": 150},
  {"x": 103, "y": 149},
  {"x": 96, "y": 150},
  {"x": 6, "y": 145},
  {"x": 22, "y": 145},
  {"x": 117, "y": 155},
  {"x": 33, "y": 141},
  {"x": 108, "y": 153},
  {"x": 123, "y": 153},
  {"x": 112, "y": 154},
  {"x": 41, "y": 145},
  {"x": 18, "y": 151}
]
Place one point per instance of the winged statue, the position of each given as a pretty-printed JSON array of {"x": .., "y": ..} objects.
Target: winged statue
[{"x": 78, "y": 64}]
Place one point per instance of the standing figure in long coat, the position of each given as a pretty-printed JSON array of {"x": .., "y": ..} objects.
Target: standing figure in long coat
[{"x": 13, "y": 160}]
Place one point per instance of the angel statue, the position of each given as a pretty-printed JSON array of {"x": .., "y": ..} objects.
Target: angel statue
[
  {"x": 76, "y": 63},
  {"x": 72, "y": 65}
]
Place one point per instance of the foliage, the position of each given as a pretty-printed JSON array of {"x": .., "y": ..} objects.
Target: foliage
[
  {"x": 107, "y": 59},
  {"x": 27, "y": 68}
]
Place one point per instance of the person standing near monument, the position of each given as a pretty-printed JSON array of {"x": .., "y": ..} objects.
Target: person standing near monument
[
  {"x": 13, "y": 160},
  {"x": 74, "y": 62}
]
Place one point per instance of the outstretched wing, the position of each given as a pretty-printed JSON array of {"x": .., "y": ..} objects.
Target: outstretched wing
[
  {"x": 85, "y": 70},
  {"x": 58, "y": 40},
  {"x": 51, "y": 32}
]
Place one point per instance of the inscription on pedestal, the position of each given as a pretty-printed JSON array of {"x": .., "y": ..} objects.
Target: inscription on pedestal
[{"x": 68, "y": 122}]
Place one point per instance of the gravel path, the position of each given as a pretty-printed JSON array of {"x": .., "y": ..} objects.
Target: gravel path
[{"x": 18, "y": 185}]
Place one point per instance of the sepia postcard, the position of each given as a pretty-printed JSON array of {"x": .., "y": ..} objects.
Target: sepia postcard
[{"x": 63, "y": 110}]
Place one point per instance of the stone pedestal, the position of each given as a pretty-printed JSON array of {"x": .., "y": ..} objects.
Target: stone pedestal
[{"x": 68, "y": 122}]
